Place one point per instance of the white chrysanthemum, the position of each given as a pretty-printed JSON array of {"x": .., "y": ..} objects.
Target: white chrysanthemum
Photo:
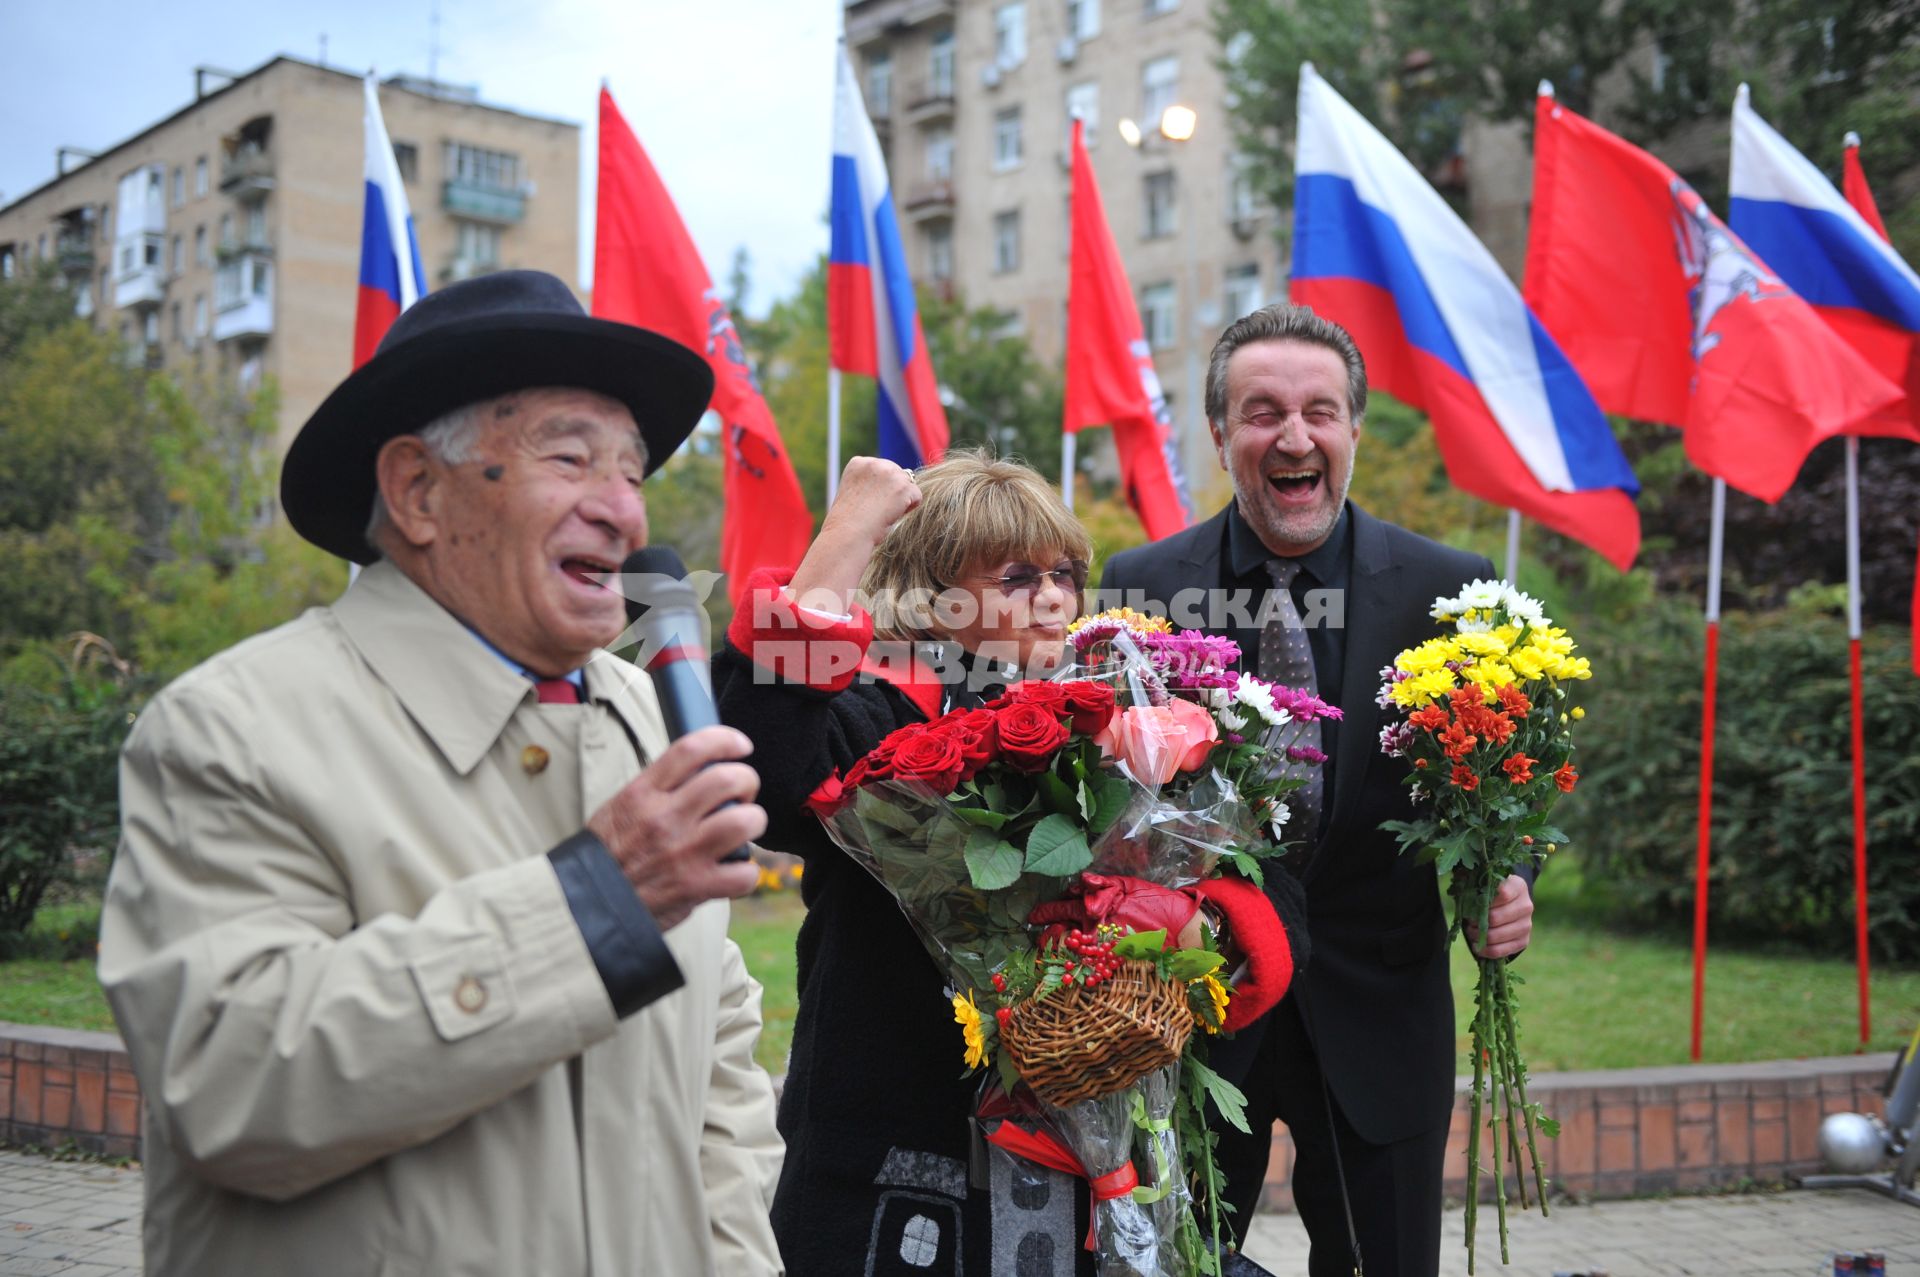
[
  {"x": 1473, "y": 625},
  {"x": 1446, "y": 609},
  {"x": 1281, "y": 815},
  {"x": 1258, "y": 697},
  {"x": 1523, "y": 608},
  {"x": 1231, "y": 721},
  {"x": 1483, "y": 594}
]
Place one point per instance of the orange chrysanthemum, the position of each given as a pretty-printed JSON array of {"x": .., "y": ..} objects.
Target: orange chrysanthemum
[
  {"x": 1463, "y": 777},
  {"x": 1513, "y": 700},
  {"x": 1565, "y": 778},
  {"x": 1429, "y": 718},
  {"x": 1519, "y": 769}
]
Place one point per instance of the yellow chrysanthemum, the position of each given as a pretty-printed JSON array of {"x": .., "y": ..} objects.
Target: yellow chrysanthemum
[
  {"x": 1482, "y": 645},
  {"x": 967, "y": 1016},
  {"x": 1128, "y": 617},
  {"x": 1219, "y": 992}
]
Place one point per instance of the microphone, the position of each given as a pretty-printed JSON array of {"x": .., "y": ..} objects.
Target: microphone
[{"x": 671, "y": 625}]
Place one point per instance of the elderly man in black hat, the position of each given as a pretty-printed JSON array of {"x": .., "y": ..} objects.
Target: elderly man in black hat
[{"x": 417, "y": 932}]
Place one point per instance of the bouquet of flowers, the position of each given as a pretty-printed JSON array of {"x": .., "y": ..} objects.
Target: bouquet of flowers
[
  {"x": 1058, "y": 852},
  {"x": 1491, "y": 748}
]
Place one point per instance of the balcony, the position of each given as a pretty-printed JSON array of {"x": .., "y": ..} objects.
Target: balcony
[
  {"x": 930, "y": 101},
  {"x": 459, "y": 268},
  {"x": 871, "y": 20},
  {"x": 929, "y": 201},
  {"x": 243, "y": 297},
  {"x": 499, "y": 205},
  {"x": 247, "y": 171},
  {"x": 140, "y": 277},
  {"x": 74, "y": 251}
]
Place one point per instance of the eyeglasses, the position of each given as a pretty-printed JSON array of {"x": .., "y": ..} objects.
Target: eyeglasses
[{"x": 1070, "y": 575}]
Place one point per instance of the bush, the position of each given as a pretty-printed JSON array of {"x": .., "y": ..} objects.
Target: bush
[
  {"x": 1783, "y": 807},
  {"x": 59, "y": 755}
]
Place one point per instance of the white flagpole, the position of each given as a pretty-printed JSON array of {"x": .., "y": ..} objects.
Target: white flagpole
[
  {"x": 1513, "y": 546},
  {"x": 1068, "y": 442},
  {"x": 833, "y": 434}
]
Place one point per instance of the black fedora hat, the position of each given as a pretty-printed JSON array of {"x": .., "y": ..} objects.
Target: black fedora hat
[{"x": 475, "y": 340}]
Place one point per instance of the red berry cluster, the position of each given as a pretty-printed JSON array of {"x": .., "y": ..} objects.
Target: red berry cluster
[{"x": 1096, "y": 961}]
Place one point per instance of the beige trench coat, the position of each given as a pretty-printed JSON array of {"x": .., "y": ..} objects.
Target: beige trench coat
[{"x": 370, "y": 1036}]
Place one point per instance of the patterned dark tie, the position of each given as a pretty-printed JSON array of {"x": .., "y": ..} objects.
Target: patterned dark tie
[
  {"x": 1286, "y": 657},
  {"x": 556, "y": 691}
]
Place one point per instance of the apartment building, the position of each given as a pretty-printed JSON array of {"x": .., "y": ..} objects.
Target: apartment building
[
  {"x": 224, "y": 240},
  {"x": 973, "y": 101}
]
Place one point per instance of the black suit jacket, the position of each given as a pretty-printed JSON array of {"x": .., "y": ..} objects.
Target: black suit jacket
[{"x": 1375, "y": 997}]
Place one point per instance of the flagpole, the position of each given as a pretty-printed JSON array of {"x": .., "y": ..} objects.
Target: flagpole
[
  {"x": 1715, "y": 545},
  {"x": 1513, "y": 546},
  {"x": 833, "y": 434},
  {"x": 1068, "y": 442},
  {"x": 1859, "y": 734}
]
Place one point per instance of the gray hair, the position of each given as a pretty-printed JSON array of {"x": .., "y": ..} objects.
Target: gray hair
[
  {"x": 1284, "y": 321},
  {"x": 452, "y": 439}
]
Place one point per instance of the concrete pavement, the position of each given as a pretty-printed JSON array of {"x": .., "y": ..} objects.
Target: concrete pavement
[{"x": 82, "y": 1219}]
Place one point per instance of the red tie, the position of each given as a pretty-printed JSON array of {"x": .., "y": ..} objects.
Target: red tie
[{"x": 556, "y": 691}]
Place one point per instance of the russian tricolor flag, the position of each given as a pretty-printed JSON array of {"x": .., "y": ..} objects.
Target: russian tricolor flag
[
  {"x": 872, "y": 323},
  {"x": 390, "y": 275},
  {"x": 1377, "y": 250},
  {"x": 1791, "y": 215}
]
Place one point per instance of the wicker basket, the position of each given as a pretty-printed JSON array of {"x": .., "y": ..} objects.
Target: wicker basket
[{"x": 1079, "y": 1043}]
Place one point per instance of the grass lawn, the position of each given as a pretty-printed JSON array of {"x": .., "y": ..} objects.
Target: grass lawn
[{"x": 1594, "y": 999}]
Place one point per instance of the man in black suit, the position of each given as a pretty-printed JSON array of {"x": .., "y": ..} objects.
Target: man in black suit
[{"x": 1359, "y": 1061}]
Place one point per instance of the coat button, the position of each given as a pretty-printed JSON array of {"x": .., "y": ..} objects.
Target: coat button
[
  {"x": 533, "y": 760},
  {"x": 470, "y": 995}
]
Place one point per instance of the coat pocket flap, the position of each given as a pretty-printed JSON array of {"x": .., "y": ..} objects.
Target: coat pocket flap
[{"x": 466, "y": 987}]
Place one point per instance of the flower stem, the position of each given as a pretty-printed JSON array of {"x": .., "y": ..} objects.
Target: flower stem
[{"x": 1520, "y": 1080}]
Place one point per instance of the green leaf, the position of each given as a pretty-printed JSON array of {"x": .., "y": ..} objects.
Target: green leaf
[
  {"x": 1056, "y": 793},
  {"x": 1226, "y": 1097},
  {"x": 1057, "y": 848},
  {"x": 1086, "y": 799},
  {"x": 1141, "y": 944},
  {"x": 980, "y": 816},
  {"x": 1109, "y": 803},
  {"x": 991, "y": 863},
  {"x": 1191, "y": 964}
]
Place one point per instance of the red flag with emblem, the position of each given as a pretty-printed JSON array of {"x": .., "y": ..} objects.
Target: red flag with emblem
[
  {"x": 1670, "y": 317},
  {"x": 1110, "y": 376},
  {"x": 646, "y": 271}
]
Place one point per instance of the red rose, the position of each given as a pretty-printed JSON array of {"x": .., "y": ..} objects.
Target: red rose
[
  {"x": 978, "y": 732},
  {"x": 1030, "y": 736},
  {"x": 933, "y": 759},
  {"x": 878, "y": 763},
  {"x": 1049, "y": 696},
  {"x": 1091, "y": 705}
]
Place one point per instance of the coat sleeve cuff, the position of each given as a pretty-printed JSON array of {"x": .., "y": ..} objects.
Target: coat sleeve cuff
[
  {"x": 795, "y": 644},
  {"x": 1253, "y": 927},
  {"x": 625, "y": 942}
]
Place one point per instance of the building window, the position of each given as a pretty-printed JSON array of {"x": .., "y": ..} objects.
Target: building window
[
  {"x": 200, "y": 315},
  {"x": 406, "y": 158},
  {"x": 42, "y": 254},
  {"x": 1007, "y": 145},
  {"x": 1159, "y": 89},
  {"x": 880, "y": 84},
  {"x": 179, "y": 255},
  {"x": 7, "y": 267},
  {"x": 200, "y": 255},
  {"x": 473, "y": 166},
  {"x": 1162, "y": 207},
  {"x": 257, "y": 224},
  {"x": 940, "y": 65},
  {"x": 1010, "y": 35},
  {"x": 940, "y": 155},
  {"x": 1083, "y": 19},
  {"x": 150, "y": 329},
  {"x": 179, "y": 327},
  {"x": 226, "y": 230},
  {"x": 477, "y": 245},
  {"x": 940, "y": 251},
  {"x": 1006, "y": 242},
  {"x": 1083, "y": 100},
  {"x": 179, "y": 186},
  {"x": 1243, "y": 290},
  {"x": 1157, "y": 315},
  {"x": 1243, "y": 200},
  {"x": 1154, "y": 8},
  {"x": 200, "y": 177}
]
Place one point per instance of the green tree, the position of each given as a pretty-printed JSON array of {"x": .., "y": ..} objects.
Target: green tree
[{"x": 997, "y": 395}]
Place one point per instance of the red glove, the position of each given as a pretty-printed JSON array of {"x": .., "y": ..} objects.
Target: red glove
[
  {"x": 1130, "y": 902},
  {"x": 1255, "y": 930}
]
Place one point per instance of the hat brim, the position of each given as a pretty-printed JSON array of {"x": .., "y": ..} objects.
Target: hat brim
[{"x": 327, "y": 483}]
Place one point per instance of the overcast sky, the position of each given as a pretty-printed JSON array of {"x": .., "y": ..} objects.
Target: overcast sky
[{"x": 731, "y": 98}]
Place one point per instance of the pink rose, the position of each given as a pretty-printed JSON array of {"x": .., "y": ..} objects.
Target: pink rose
[{"x": 1157, "y": 742}]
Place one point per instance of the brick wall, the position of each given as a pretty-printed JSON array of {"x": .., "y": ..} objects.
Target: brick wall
[
  {"x": 60, "y": 1086},
  {"x": 1630, "y": 1132}
]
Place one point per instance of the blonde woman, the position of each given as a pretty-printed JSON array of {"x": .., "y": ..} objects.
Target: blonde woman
[{"x": 972, "y": 569}]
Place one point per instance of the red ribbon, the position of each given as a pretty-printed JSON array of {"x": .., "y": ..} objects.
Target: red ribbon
[{"x": 1042, "y": 1148}]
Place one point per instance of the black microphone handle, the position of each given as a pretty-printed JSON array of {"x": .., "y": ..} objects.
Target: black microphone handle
[{"x": 686, "y": 705}]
